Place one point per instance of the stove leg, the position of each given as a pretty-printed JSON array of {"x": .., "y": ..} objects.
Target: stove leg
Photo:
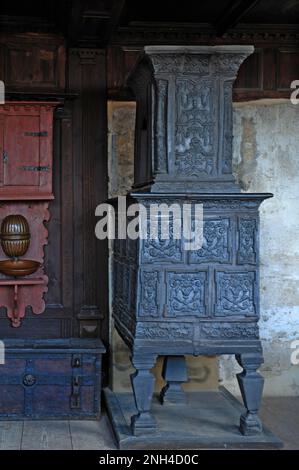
[
  {"x": 143, "y": 383},
  {"x": 251, "y": 384},
  {"x": 175, "y": 374}
]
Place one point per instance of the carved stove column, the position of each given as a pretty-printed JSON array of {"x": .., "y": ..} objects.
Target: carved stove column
[
  {"x": 143, "y": 383},
  {"x": 251, "y": 384},
  {"x": 168, "y": 300},
  {"x": 175, "y": 374}
]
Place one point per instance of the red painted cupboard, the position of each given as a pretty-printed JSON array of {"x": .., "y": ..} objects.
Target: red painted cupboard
[{"x": 26, "y": 136}]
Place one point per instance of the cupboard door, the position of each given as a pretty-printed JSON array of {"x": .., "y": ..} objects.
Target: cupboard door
[
  {"x": 2, "y": 154},
  {"x": 21, "y": 158},
  {"x": 26, "y": 134}
]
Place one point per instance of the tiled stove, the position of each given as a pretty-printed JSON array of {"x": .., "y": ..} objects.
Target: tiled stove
[{"x": 168, "y": 300}]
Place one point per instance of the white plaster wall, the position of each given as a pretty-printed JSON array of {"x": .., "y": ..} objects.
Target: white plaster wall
[{"x": 266, "y": 159}]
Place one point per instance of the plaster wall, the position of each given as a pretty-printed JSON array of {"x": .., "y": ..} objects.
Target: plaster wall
[{"x": 265, "y": 159}]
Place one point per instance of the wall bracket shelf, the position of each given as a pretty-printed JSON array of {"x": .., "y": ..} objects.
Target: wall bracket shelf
[{"x": 22, "y": 292}]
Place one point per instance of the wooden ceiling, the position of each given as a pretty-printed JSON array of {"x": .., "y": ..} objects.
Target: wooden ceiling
[{"x": 96, "y": 23}]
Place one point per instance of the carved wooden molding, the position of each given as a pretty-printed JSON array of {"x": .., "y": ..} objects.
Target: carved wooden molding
[
  {"x": 87, "y": 56},
  {"x": 147, "y": 33}
]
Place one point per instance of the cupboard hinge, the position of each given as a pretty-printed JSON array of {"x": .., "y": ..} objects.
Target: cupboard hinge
[
  {"x": 36, "y": 134},
  {"x": 35, "y": 168}
]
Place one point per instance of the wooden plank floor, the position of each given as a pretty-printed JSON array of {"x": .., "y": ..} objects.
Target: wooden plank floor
[
  {"x": 281, "y": 415},
  {"x": 56, "y": 435}
]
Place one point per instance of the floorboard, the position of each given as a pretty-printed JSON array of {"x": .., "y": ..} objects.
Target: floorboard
[
  {"x": 280, "y": 415},
  {"x": 46, "y": 435},
  {"x": 11, "y": 435},
  {"x": 91, "y": 435}
]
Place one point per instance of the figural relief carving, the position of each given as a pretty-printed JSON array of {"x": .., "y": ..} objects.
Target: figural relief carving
[
  {"x": 235, "y": 293},
  {"x": 195, "y": 128},
  {"x": 215, "y": 243},
  {"x": 186, "y": 293},
  {"x": 149, "y": 293},
  {"x": 155, "y": 248},
  {"x": 247, "y": 241}
]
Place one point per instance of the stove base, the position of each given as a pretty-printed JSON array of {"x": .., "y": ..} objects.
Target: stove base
[{"x": 209, "y": 420}]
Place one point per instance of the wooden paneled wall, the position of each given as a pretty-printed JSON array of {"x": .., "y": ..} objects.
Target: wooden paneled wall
[
  {"x": 38, "y": 66},
  {"x": 267, "y": 73},
  {"x": 87, "y": 77}
]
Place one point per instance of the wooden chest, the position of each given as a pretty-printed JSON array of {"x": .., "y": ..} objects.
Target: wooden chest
[{"x": 44, "y": 379}]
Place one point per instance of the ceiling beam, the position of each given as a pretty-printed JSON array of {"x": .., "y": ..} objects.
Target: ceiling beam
[
  {"x": 93, "y": 27},
  {"x": 75, "y": 21},
  {"x": 116, "y": 12},
  {"x": 233, "y": 14}
]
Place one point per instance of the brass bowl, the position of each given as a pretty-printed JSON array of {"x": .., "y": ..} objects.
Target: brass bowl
[
  {"x": 18, "y": 268},
  {"x": 15, "y": 235}
]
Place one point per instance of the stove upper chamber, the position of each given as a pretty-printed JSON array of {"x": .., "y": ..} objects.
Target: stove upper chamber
[{"x": 184, "y": 117}]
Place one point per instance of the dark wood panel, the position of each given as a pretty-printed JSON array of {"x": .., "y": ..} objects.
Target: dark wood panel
[
  {"x": 67, "y": 207},
  {"x": 269, "y": 69},
  {"x": 33, "y": 326},
  {"x": 250, "y": 75},
  {"x": 120, "y": 62},
  {"x": 287, "y": 67},
  {"x": 58, "y": 253},
  {"x": 53, "y": 255},
  {"x": 32, "y": 61},
  {"x": 87, "y": 76},
  {"x": 274, "y": 71}
]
